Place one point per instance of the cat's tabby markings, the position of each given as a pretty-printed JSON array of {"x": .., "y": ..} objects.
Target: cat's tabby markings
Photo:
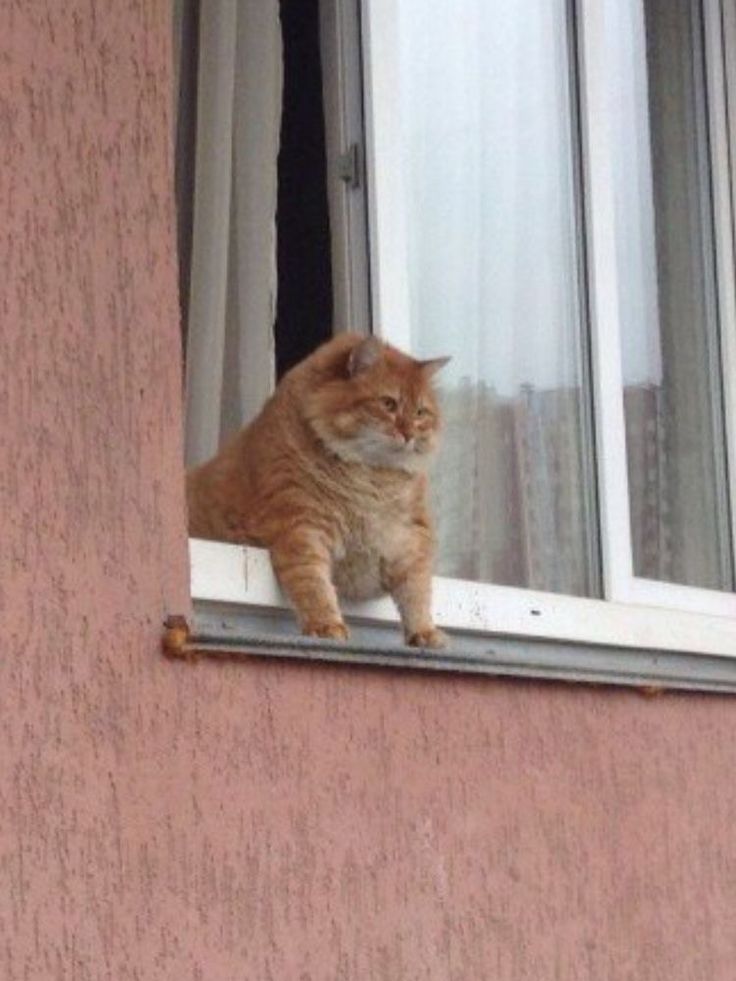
[{"x": 330, "y": 477}]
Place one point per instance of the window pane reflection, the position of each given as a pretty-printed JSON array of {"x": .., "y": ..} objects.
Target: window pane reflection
[
  {"x": 669, "y": 316},
  {"x": 489, "y": 172}
]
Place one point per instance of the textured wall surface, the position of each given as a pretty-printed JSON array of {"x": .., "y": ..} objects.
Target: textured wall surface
[{"x": 267, "y": 821}]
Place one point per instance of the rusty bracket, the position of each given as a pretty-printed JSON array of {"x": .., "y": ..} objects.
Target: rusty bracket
[{"x": 176, "y": 640}]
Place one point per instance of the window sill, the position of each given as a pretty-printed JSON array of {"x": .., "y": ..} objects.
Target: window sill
[{"x": 239, "y": 611}]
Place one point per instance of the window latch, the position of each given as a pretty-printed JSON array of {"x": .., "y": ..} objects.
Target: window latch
[{"x": 350, "y": 166}]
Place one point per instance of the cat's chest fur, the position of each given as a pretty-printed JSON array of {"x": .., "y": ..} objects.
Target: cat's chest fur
[
  {"x": 376, "y": 523},
  {"x": 358, "y": 564}
]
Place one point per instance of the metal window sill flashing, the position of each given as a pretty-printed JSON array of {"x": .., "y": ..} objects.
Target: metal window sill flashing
[{"x": 224, "y": 630}]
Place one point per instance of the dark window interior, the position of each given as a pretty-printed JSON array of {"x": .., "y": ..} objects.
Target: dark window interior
[
  {"x": 304, "y": 298},
  {"x": 304, "y": 304},
  {"x": 186, "y": 136}
]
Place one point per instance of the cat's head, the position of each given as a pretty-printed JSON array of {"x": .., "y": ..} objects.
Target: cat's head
[{"x": 379, "y": 407}]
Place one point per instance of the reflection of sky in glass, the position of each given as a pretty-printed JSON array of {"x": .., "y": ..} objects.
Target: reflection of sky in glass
[{"x": 489, "y": 191}]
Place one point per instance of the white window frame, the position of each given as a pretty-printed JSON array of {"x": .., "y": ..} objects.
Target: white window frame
[
  {"x": 233, "y": 587},
  {"x": 619, "y": 581}
]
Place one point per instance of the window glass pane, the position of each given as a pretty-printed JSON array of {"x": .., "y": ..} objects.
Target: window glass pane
[
  {"x": 669, "y": 315},
  {"x": 489, "y": 161}
]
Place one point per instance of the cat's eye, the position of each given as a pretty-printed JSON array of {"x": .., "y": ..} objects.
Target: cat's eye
[
  {"x": 389, "y": 403},
  {"x": 421, "y": 410}
]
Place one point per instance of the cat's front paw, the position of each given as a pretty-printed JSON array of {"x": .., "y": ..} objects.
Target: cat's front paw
[
  {"x": 430, "y": 637},
  {"x": 332, "y": 631}
]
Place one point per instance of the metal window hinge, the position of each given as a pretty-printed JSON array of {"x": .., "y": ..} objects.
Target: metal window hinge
[{"x": 350, "y": 166}]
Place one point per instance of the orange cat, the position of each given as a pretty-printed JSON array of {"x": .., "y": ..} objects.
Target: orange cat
[{"x": 330, "y": 477}]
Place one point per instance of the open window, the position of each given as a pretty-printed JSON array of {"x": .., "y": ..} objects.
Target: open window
[
  {"x": 549, "y": 194},
  {"x": 271, "y": 195}
]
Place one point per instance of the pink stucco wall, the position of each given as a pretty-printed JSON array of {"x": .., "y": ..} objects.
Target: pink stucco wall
[{"x": 267, "y": 820}]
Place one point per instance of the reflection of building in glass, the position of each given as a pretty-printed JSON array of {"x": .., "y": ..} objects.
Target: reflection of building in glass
[
  {"x": 509, "y": 488},
  {"x": 649, "y": 497}
]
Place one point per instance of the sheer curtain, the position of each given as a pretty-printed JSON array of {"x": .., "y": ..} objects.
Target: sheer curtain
[
  {"x": 233, "y": 263},
  {"x": 490, "y": 177}
]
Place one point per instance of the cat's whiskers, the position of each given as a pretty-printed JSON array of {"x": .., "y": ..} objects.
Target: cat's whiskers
[{"x": 374, "y": 448}]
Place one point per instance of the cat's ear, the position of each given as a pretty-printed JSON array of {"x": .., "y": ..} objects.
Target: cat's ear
[
  {"x": 363, "y": 356},
  {"x": 432, "y": 366}
]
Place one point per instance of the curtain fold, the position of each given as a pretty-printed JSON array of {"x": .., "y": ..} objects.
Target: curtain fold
[{"x": 233, "y": 266}]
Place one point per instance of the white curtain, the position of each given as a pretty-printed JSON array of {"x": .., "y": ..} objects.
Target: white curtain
[
  {"x": 493, "y": 257},
  {"x": 233, "y": 270}
]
